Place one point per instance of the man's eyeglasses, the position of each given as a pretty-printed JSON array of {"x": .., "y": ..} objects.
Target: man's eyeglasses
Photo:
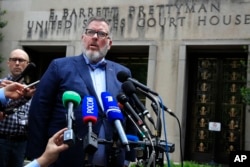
[
  {"x": 14, "y": 60},
  {"x": 100, "y": 34}
]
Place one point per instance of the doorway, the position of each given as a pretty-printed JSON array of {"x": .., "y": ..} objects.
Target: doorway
[
  {"x": 216, "y": 74},
  {"x": 41, "y": 56},
  {"x": 133, "y": 57}
]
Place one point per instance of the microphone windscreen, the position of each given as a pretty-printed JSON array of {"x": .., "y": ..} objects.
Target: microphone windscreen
[
  {"x": 122, "y": 76},
  {"x": 71, "y": 96},
  {"x": 122, "y": 98},
  {"x": 89, "y": 110},
  {"x": 111, "y": 108},
  {"x": 128, "y": 87},
  {"x": 29, "y": 68}
]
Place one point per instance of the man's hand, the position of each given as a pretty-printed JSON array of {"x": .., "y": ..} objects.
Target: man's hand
[
  {"x": 54, "y": 146},
  {"x": 4, "y": 83},
  {"x": 29, "y": 92},
  {"x": 13, "y": 90},
  {"x": 2, "y": 115}
]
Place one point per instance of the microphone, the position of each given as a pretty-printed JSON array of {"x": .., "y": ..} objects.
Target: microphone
[
  {"x": 30, "y": 67},
  {"x": 130, "y": 90},
  {"x": 122, "y": 76},
  {"x": 131, "y": 119},
  {"x": 157, "y": 101},
  {"x": 114, "y": 116},
  {"x": 89, "y": 116},
  {"x": 155, "y": 105},
  {"x": 70, "y": 100},
  {"x": 121, "y": 97}
]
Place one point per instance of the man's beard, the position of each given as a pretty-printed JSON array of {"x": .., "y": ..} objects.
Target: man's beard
[{"x": 95, "y": 56}]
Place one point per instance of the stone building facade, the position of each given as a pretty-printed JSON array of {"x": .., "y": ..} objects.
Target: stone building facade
[{"x": 194, "y": 51}]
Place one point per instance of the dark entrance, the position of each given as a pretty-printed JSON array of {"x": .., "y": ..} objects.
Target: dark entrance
[
  {"x": 42, "y": 56},
  {"x": 216, "y": 74}
]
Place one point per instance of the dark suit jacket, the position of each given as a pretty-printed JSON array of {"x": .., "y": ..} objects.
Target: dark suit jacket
[{"x": 47, "y": 113}]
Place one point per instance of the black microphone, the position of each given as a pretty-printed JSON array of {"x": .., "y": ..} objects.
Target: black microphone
[
  {"x": 122, "y": 76},
  {"x": 156, "y": 101},
  {"x": 115, "y": 116},
  {"x": 30, "y": 67},
  {"x": 122, "y": 98},
  {"x": 130, "y": 90},
  {"x": 132, "y": 120},
  {"x": 70, "y": 100},
  {"x": 89, "y": 116}
]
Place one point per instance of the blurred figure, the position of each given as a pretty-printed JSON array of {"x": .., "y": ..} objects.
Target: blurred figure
[{"x": 13, "y": 124}]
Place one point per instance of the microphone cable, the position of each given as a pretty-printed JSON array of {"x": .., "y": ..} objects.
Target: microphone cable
[
  {"x": 155, "y": 106},
  {"x": 159, "y": 109},
  {"x": 144, "y": 136},
  {"x": 156, "y": 109},
  {"x": 152, "y": 156},
  {"x": 179, "y": 125},
  {"x": 131, "y": 119},
  {"x": 165, "y": 132}
]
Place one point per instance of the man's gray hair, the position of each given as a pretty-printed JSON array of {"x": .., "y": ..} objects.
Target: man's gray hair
[{"x": 99, "y": 18}]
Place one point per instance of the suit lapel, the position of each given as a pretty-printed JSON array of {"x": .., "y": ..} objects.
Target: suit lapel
[
  {"x": 82, "y": 68},
  {"x": 110, "y": 78},
  {"x": 111, "y": 82},
  {"x": 83, "y": 71}
]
